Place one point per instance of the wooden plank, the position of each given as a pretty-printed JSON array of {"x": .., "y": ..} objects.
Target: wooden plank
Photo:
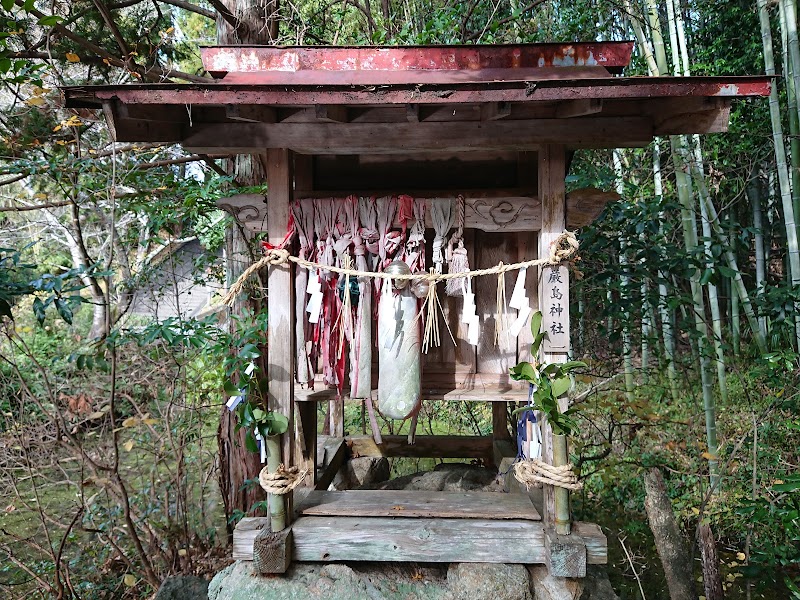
[
  {"x": 425, "y": 446},
  {"x": 417, "y": 504},
  {"x": 331, "y": 454},
  {"x": 490, "y": 249},
  {"x": 412, "y": 113},
  {"x": 579, "y": 108},
  {"x": 552, "y": 172},
  {"x": 402, "y": 138},
  {"x": 382, "y": 539},
  {"x": 280, "y": 304},
  {"x": 493, "y": 111},
  {"x": 245, "y": 113},
  {"x": 330, "y": 113}
]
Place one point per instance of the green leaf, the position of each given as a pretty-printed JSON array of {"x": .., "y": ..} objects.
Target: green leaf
[
  {"x": 8, "y": 4},
  {"x": 38, "y": 310},
  {"x": 64, "y": 310},
  {"x": 727, "y": 272},
  {"x": 706, "y": 277},
  {"x": 789, "y": 486},
  {"x": 250, "y": 442},
  {"x": 50, "y": 20},
  {"x": 536, "y": 323},
  {"x": 230, "y": 389},
  {"x": 280, "y": 424},
  {"x": 259, "y": 414},
  {"x": 524, "y": 371}
]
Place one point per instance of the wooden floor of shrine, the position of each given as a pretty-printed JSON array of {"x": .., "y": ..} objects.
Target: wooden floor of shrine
[{"x": 413, "y": 526}]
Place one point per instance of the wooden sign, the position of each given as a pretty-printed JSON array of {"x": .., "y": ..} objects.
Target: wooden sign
[{"x": 554, "y": 302}]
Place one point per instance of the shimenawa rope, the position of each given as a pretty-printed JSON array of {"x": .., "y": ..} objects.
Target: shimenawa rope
[
  {"x": 561, "y": 250},
  {"x": 281, "y": 481},
  {"x": 529, "y": 472}
]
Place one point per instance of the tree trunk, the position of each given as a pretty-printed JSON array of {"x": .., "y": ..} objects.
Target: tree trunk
[
  {"x": 258, "y": 25},
  {"x": 712, "y": 579},
  {"x": 669, "y": 543}
]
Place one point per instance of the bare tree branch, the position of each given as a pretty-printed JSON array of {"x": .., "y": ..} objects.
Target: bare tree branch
[{"x": 210, "y": 14}]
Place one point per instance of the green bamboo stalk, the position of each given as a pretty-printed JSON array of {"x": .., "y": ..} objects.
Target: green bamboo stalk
[
  {"x": 627, "y": 345},
  {"x": 735, "y": 322},
  {"x": 686, "y": 200},
  {"x": 780, "y": 158},
  {"x": 752, "y": 191},
  {"x": 791, "y": 63},
  {"x": 663, "y": 307}
]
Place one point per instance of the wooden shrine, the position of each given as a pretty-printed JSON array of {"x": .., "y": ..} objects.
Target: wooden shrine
[{"x": 494, "y": 125}]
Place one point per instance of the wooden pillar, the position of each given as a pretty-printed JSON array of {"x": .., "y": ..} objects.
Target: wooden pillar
[
  {"x": 552, "y": 171},
  {"x": 305, "y": 443},
  {"x": 280, "y": 306}
]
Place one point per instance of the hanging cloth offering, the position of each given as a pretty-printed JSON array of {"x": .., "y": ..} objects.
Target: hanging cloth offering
[
  {"x": 442, "y": 217},
  {"x": 325, "y": 216},
  {"x": 399, "y": 357},
  {"x": 458, "y": 261},
  {"x": 303, "y": 213},
  {"x": 361, "y": 347}
]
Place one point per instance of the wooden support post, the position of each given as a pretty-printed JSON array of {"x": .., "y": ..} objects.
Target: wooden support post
[
  {"x": 280, "y": 305},
  {"x": 272, "y": 551},
  {"x": 552, "y": 172},
  {"x": 305, "y": 446}
]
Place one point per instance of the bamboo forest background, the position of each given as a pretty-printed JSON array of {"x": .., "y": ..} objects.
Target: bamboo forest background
[{"x": 686, "y": 312}]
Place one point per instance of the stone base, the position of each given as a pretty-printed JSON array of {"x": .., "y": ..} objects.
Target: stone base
[{"x": 364, "y": 581}]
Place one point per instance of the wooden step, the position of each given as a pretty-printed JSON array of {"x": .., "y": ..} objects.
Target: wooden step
[
  {"x": 487, "y": 393},
  {"x": 417, "y": 504},
  {"x": 325, "y": 539}
]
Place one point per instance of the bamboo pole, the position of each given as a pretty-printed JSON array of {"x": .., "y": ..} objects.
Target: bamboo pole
[
  {"x": 754, "y": 196},
  {"x": 791, "y": 63},
  {"x": 780, "y": 157},
  {"x": 658, "y": 65},
  {"x": 663, "y": 307},
  {"x": 627, "y": 344},
  {"x": 277, "y": 507},
  {"x": 560, "y": 459}
]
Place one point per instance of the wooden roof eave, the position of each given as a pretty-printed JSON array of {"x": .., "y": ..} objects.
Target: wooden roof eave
[{"x": 588, "y": 113}]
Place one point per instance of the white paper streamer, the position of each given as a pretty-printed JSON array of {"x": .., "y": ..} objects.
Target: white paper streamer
[
  {"x": 315, "y": 302},
  {"x": 522, "y": 318}
]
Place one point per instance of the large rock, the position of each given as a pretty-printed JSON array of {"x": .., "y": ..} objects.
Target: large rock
[
  {"x": 597, "y": 585},
  {"x": 183, "y": 587},
  {"x": 361, "y": 472},
  {"x": 446, "y": 477},
  {"x": 331, "y": 582},
  {"x": 478, "y": 581},
  {"x": 547, "y": 587}
]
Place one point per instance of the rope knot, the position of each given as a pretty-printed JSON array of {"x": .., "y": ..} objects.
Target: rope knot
[
  {"x": 277, "y": 256},
  {"x": 530, "y": 472},
  {"x": 281, "y": 481},
  {"x": 562, "y": 248}
]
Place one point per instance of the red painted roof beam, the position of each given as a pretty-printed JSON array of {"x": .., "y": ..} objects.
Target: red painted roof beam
[{"x": 219, "y": 60}]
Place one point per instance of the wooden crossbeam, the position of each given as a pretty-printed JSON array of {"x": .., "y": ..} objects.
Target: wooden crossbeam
[
  {"x": 402, "y": 138},
  {"x": 424, "y": 446},
  {"x": 411, "y": 504},
  {"x": 384, "y": 539}
]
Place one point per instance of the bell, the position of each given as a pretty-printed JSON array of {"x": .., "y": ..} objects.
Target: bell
[
  {"x": 398, "y": 267},
  {"x": 421, "y": 287}
]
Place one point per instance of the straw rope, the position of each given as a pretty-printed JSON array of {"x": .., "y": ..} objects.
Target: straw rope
[
  {"x": 281, "y": 481},
  {"x": 529, "y": 472},
  {"x": 561, "y": 250}
]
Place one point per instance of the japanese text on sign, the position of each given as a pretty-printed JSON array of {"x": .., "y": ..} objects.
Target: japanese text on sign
[{"x": 554, "y": 304}]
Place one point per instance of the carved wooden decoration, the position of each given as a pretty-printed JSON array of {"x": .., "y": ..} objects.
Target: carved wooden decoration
[{"x": 249, "y": 210}]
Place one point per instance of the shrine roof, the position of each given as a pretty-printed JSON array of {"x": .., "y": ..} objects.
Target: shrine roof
[{"x": 348, "y": 100}]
